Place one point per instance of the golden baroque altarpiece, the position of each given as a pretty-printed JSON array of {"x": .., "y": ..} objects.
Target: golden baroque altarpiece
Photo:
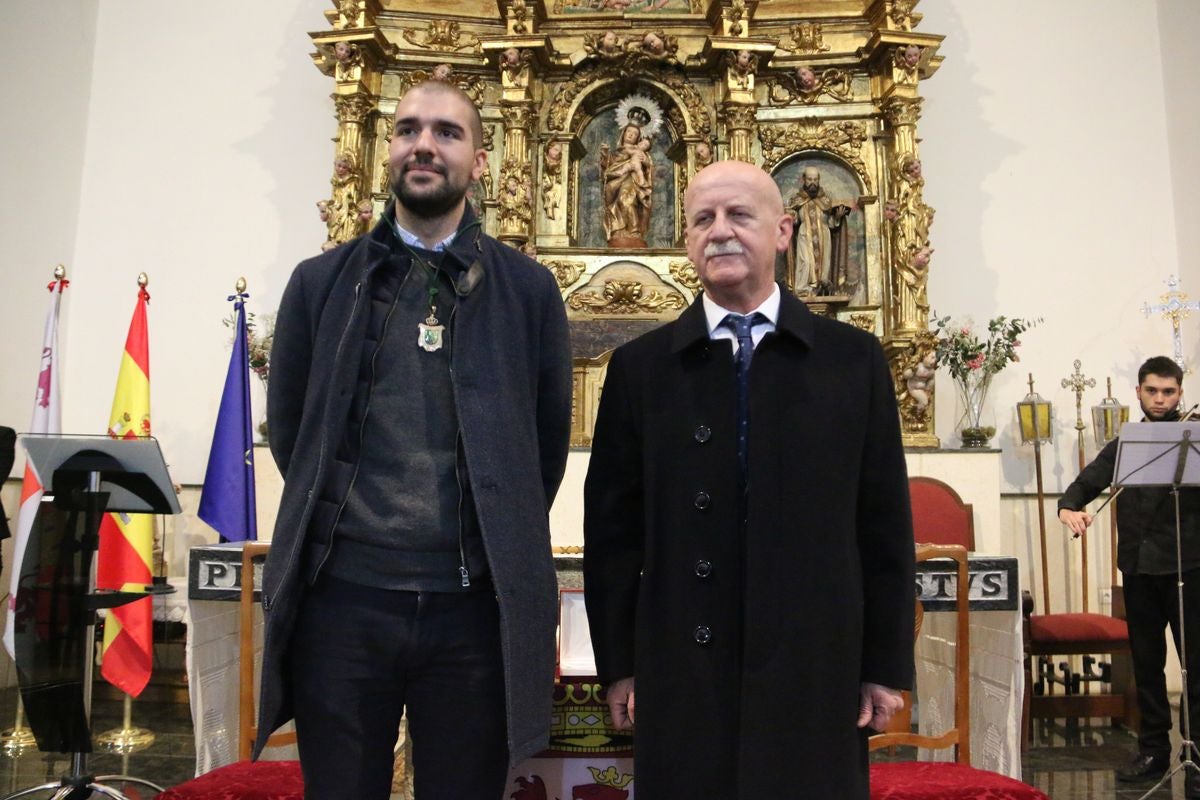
[{"x": 597, "y": 113}]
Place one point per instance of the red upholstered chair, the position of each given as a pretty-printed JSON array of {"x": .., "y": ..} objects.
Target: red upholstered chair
[
  {"x": 1075, "y": 634},
  {"x": 916, "y": 780},
  {"x": 245, "y": 779},
  {"x": 939, "y": 514}
]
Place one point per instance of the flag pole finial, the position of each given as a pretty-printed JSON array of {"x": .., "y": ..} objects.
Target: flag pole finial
[
  {"x": 240, "y": 286},
  {"x": 60, "y": 272},
  {"x": 143, "y": 279}
]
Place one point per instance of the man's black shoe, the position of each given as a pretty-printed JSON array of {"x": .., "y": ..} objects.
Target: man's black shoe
[
  {"x": 1144, "y": 768},
  {"x": 1192, "y": 786}
]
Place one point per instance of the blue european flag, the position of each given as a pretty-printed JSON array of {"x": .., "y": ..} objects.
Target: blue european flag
[{"x": 227, "y": 499}]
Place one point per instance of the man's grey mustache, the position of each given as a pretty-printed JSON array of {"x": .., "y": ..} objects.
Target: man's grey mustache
[{"x": 730, "y": 247}]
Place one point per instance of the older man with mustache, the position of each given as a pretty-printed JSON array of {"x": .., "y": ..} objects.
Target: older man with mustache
[{"x": 748, "y": 554}]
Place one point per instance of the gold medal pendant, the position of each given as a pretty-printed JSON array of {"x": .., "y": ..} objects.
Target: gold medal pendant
[{"x": 429, "y": 334}]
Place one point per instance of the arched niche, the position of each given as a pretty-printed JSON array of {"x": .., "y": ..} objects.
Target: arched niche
[{"x": 840, "y": 184}]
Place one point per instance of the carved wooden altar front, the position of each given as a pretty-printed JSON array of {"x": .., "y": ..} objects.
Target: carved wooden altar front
[{"x": 598, "y": 112}]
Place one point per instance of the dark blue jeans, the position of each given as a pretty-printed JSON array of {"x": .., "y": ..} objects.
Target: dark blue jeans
[{"x": 360, "y": 656}]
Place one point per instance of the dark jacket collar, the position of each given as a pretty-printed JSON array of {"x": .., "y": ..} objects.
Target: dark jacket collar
[
  {"x": 794, "y": 319},
  {"x": 463, "y": 259}
]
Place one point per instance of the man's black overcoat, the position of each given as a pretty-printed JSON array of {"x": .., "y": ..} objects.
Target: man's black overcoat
[{"x": 748, "y": 646}]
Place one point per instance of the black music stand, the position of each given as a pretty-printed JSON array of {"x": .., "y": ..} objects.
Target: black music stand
[
  {"x": 1154, "y": 454},
  {"x": 55, "y": 622}
]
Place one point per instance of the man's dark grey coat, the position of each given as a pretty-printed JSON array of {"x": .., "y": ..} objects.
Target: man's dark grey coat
[{"x": 511, "y": 372}]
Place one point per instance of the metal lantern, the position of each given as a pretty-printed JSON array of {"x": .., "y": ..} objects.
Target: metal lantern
[
  {"x": 1107, "y": 418},
  {"x": 1033, "y": 413}
]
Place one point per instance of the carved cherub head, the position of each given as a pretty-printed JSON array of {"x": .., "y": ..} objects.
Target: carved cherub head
[
  {"x": 806, "y": 78},
  {"x": 912, "y": 56},
  {"x": 653, "y": 44},
  {"x": 323, "y": 210},
  {"x": 744, "y": 61},
  {"x": 703, "y": 154},
  {"x": 441, "y": 72},
  {"x": 343, "y": 52},
  {"x": 890, "y": 212},
  {"x": 554, "y": 153},
  {"x": 912, "y": 168},
  {"x": 344, "y": 164},
  {"x": 366, "y": 210},
  {"x": 922, "y": 256},
  {"x": 510, "y": 57}
]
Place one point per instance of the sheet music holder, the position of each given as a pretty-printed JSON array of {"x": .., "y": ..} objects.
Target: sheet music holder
[
  {"x": 85, "y": 477},
  {"x": 1165, "y": 454},
  {"x": 1158, "y": 454}
]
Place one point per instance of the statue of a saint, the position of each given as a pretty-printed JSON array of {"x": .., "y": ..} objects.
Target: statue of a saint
[
  {"x": 819, "y": 254},
  {"x": 343, "y": 221},
  {"x": 628, "y": 175}
]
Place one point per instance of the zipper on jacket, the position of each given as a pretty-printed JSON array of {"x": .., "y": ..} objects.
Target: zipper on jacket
[
  {"x": 319, "y": 478},
  {"x": 362, "y": 425},
  {"x": 463, "y": 573}
]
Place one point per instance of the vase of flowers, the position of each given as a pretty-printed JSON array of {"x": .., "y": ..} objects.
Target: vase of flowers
[{"x": 973, "y": 362}]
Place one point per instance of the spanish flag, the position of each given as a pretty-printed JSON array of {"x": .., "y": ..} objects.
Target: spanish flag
[{"x": 127, "y": 540}]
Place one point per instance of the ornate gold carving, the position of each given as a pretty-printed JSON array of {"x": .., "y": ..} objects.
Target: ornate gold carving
[
  {"x": 909, "y": 218},
  {"x": 684, "y": 272},
  {"x": 515, "y": 201},
  {"x": 901, "y": 14},
  {"x": 845, "y": 138},
  {"x": 565, "y": 272},
  {"x": 519, "y": 115},
  {"x": 341, "y": 213},
  {"x": 635, "y": 51},
  {"x": 471, "y": 85},
  {"x": 352, "y": 14},
  {"x": 907, "y": 61},
  {"x": 864, "y": 322},
  {"x": 913, "y": 374},
  {"x": 739, "y": 117},
  {"x": 343, "y": 61},
  {"x": 806, "y": 86},
  {"x": 442, "y": 35},
  {"x": 514, "y": 67},
  {"x": 519, "y": 20},
  {"x": 902, "y": 110},
  {"x": 625, "y": 297},
  {"x": 353, "y": 108},
  {"x": 807, "y": 39},
  {"x": 734, "y": 19},
  {"x": 593, "y": 71},
  {"x": 741, "y": 67},
  {"x": 552, "y": 160}
]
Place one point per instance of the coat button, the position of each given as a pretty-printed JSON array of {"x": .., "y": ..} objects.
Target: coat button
[
  {"x": 702, "y": 434},
  {"x": 702, "y": 500},
  {"x": 702, "y": 634},
  {"x": 703, "y": 568}
]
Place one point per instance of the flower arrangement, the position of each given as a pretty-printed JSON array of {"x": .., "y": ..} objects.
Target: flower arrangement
[
  {"x": 260, "y": 332},
  {"x": 960, "y": 349},
  {"x": 972, "y": 363}
]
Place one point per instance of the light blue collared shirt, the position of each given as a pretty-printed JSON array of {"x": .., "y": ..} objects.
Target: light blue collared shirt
[
  {"x": 714, "y": 314},
  {"x": 412, "y": 240}
]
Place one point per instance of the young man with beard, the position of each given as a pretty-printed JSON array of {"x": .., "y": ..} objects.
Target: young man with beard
[
  {"x": 748, "y": 552},
  {"x": 1147, "y": 559},
  {"x": 420, "y": 412}
]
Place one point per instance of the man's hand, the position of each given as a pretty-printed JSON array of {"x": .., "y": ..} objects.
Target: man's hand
[
  {"x": 1077, "y": 521},
  {"x": 621, "y": 704},
  {"x": 876, "y": 705}
]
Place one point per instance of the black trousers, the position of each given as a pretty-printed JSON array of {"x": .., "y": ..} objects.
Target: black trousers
[
  {"x": 1151, "y": 605},
  {"x": 360, "y": 656}
]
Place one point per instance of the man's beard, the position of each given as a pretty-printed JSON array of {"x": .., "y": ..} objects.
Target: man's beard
[
  {"x": 428, "y": 202},
  {"x": 812, "y": 189},
  {"x": 1170, "y": 415}
]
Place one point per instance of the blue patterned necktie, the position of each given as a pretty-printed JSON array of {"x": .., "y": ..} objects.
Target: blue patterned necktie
[{"x": 742, "y": 325}]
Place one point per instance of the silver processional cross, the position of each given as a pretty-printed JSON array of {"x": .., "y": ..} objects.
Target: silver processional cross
[{"x": 1175, "y": 307}]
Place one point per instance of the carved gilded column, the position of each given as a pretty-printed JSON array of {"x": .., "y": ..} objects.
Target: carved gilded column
[
  {"x": 907, "y": 219},
  {"x": 515, "y": 192},
  {"x": 739, "y": 121}
]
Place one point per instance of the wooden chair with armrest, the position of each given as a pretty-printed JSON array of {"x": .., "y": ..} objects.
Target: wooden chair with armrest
[
  {"x": 1085, "y": 634},
  {"x": 914, "y": 780},
  {"x": 245, "y": 779}
]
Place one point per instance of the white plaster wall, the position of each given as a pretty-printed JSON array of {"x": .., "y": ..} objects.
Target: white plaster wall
[
  {"x": 46, "y": 55},
  {"x": 1045, "y": 148},
  {"x": 199, "y": 136}
]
